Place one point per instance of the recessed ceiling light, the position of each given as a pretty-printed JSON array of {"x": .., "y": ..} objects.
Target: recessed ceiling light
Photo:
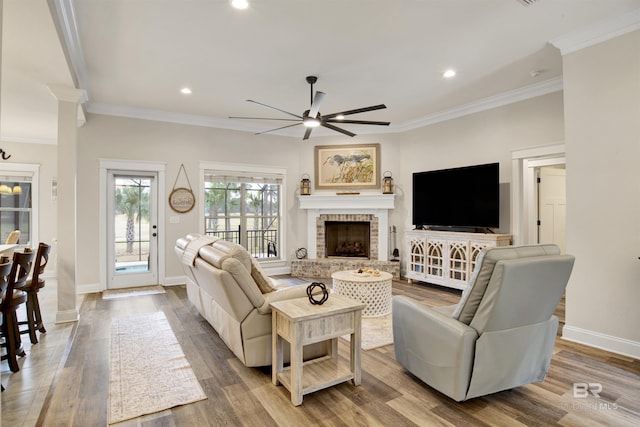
[
  {"x": 186, "y": 91},
  {"x": 339, "y": 117},
  {"x": 240, "y": 4},
  {"x": 448, "y": 74}
]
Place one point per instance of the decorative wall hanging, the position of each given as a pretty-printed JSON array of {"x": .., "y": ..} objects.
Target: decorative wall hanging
[
  {"x": 182, "y": 199},
  {"x": 347, "y": 166}
]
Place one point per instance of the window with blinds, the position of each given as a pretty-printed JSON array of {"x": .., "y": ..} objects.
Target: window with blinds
[
  {"x": 16, "y": 206},
  {"x": 245, "y": 209}
]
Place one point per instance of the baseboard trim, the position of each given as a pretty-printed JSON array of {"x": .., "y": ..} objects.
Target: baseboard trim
[
  {"x": 175, "y": 280},
  {"x": 274, "y": 271},
  {"x": 89, "y": 288},
  {"x": 67, "y": 316},
  {"x": 602, "y": 341}
]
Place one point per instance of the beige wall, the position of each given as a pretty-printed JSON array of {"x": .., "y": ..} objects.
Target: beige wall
[
  {"x": 602, "y": 104},
  {"x": 107, "y": 137},
  {"x": 485, "y": 137}
]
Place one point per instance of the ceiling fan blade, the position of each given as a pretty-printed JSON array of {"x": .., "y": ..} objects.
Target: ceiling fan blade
[
  {"x": 274, "y": 108},
  {"x": 337, "y": 129},
  {"x": 358, "y": 122},
  {"x": 307, "y": 133},
  {"x": 356, "y": 111},
  {"x": 283, "y": 127},
  {"x": 263, "y": 118},
  {"x": 315, "y": 106}
]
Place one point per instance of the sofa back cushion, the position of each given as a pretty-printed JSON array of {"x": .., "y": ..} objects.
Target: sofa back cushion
[
  {"x": 213, "y": 256},
  {"x": 485, "y": 264},
  {"x": 220, "y": 251},
  {"x": 242, "y": 276},
  {"x": 234, "y": 250},
  {"x": 522, "y": 291}
]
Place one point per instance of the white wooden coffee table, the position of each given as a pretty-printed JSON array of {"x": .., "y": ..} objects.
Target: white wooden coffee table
[
  {"x": 373, "y": 290},
  {"x": 300, "y": 323}
]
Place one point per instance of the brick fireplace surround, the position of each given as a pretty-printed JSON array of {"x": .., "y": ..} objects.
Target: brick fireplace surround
[{"x": 373, "y": 208}]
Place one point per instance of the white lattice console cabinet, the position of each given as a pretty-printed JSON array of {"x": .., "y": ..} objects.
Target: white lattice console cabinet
[{"x": 446, "y": 258}]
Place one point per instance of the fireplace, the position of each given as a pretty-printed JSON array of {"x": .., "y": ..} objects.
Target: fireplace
[
  {"x": 371, "y": 208},
  {"x": 347, "y": 239},
  {"x": 351, "y": 210},
  {"x": 361, "y": 227}
]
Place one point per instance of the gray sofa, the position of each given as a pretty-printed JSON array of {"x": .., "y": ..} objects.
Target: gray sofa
[
  {"x": 500, "y": 335},
  {"x": 230, "y": 290}
]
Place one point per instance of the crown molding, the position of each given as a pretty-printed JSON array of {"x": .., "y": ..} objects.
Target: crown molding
[
  {"x": 68, "y": 94},
  {"x": 598, "y": 33},
  {"x": 64, "y": 19},
  {"x": 164, "y": 116},
  {"x": 516, "y": 95},
  {"x": 23, "y": 140},
  {"x": 495, "y": 101}
]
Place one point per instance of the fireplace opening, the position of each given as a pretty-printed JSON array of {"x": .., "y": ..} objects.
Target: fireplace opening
[{"x": 347, "y": 238}]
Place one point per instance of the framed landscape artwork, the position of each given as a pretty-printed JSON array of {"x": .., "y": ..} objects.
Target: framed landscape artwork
[{"x": 347, "y": 167}]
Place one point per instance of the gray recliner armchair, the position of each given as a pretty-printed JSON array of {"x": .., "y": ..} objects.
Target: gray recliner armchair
[{"x": 499, "y": 336}]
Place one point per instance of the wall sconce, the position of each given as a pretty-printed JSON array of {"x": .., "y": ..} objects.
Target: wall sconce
[
  {"x": 387, "y": 183},
  {"x": 305, "y": 185}
]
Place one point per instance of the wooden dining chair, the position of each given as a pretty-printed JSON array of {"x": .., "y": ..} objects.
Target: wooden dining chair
[
  {"x": 13, "y": 237},
  {"x": 5, "y": 269},
  {"x": 32, "y": 287},
  {"x": 11, "y": 300}
]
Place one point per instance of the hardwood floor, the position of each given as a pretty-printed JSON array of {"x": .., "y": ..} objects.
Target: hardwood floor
[{"x": 388, "y": 396}]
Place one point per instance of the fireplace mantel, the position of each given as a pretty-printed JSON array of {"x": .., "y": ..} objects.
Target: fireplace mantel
[
  {"x": 367, "y": 204},
  {"x": 347, "y": 201}
]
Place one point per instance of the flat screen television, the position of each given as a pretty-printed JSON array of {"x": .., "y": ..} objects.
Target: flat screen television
[{"x": 460, "y": 198}]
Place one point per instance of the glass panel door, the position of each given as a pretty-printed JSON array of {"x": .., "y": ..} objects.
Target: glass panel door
[{"x": 133, "y": 230}]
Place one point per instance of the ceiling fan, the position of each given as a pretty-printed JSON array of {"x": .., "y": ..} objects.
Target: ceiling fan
[{"x": 312, "y": 118}]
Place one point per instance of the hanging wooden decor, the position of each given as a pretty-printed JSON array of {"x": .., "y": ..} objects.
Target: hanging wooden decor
[{"x": 182, "y": 199}]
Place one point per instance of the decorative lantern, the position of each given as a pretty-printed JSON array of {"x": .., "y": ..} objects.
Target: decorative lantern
[
  {"x": 387, "y": 183},
  {"x": 305, "y": 185}
]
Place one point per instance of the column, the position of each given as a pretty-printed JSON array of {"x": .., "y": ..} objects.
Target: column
[{"x": 68, "y": 101}]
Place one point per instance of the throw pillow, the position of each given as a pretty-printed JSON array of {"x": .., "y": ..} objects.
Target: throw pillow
[{"x": 261, "y": 279}]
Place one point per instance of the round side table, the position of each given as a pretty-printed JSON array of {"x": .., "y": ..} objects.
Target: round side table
[{"x": 375, "y": 291}]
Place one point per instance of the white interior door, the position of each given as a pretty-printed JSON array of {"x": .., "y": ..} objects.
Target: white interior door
[
  {"x": 132, "y": 203},
  {"x": 552, "y": 206}
]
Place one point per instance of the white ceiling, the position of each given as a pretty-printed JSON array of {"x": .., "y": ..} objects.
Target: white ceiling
[{"x": 133, "y": 56}]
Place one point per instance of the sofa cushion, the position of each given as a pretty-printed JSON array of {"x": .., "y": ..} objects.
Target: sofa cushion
[
  {"x": 236, "y": 251},
  {"x": 243, "y": 278},
  {"x": 213, "y": 256},
  {"x": 262, "y": 280},
  {"x": 485, "y": 264}
]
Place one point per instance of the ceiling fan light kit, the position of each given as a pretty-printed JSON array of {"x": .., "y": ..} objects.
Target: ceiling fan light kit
[{"x": 312, "y": 118}]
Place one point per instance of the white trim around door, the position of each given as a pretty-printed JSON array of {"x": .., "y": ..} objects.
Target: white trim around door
[{"x": 107, "y": 165}]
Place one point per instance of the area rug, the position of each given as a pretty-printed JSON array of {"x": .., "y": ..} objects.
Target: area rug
[
  {"x": 376, "y": 332},
  {"x": 148, "y": 370},
  {"x": 132, "y": 292}
]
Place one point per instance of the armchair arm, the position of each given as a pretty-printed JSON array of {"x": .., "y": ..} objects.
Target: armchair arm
[
  {"x": 433, "y": 346},
  {"x": 281, "y": 294}
]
